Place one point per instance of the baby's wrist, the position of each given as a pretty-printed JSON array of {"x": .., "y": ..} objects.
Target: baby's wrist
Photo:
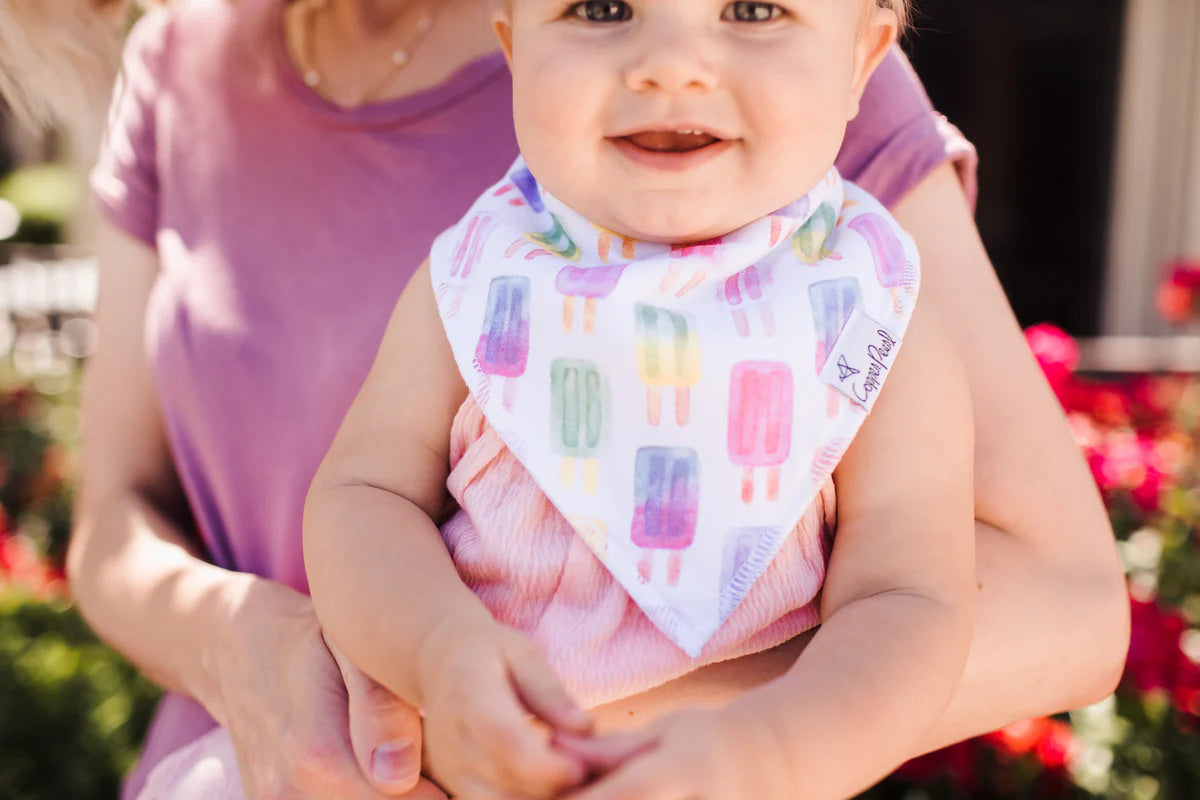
[
  {"x": 764, "y": 757},
  {"x": 467, "y": 630}
]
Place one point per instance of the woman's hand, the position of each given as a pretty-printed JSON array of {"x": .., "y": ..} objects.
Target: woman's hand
[{"x": 305, "y": 722}]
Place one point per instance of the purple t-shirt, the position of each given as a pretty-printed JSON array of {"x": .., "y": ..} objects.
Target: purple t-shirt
[{"x": 286, "y": 229}]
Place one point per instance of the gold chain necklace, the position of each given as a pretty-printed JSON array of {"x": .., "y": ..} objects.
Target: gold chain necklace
[{"x": 399, "y": 56}]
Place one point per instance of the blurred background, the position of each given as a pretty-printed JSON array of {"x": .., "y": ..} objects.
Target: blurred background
[{"x": 1086, "y": 114}]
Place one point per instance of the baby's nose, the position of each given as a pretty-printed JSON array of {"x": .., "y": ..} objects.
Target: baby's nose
[{"x": 672, "y": 63}]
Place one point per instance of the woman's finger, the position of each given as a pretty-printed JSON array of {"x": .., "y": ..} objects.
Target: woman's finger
[{"x": 385, "y": 732}]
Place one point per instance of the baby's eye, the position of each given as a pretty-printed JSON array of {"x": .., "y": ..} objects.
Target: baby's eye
[
  {"x": 744, "y": 11},
  {"x": 601, "y": 11}
]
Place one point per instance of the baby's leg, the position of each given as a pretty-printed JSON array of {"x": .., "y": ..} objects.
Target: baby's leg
[{"x": 206, "y": 769}]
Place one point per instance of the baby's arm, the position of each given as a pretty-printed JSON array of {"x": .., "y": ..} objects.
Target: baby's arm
[
  {"x": 896, "y": 609},
  {"x": 387, "y": 593}
]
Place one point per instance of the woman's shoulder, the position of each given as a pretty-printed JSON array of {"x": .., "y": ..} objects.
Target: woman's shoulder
[
  {"x": 898, "y": 137},
  {"x": 196, "y": 29}
]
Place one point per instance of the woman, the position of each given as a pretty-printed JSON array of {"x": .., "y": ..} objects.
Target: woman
[{"x": 271, "y": 177}]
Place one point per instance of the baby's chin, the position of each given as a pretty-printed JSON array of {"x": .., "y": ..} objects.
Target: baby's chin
[{"x": 670, "y": 227}]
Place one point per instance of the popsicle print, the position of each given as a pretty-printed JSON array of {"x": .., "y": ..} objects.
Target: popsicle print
[
  {"x": 466, "y": 257},
  {"x": 470, "y": 248},
  {"x": 827, "y": 458},
  {"x": 741, "y": 544},
  {"x": 812, "y": 241},
  {"x": 760, "y": 422},
  {"x": 554, "y": 242},
  {"x": 667, "y": 496},
  {"x": 887, "y": 252},
  {"x": 680, "y": 253},
  {"x": 744, "y": 289},
  {"x": 524, "y": 181},
  {"x": 593, "y": 532},
  {"x": 557, "y": 241},
  {"x": 605, "y": 243},
  {"x": 503, "y": 348},
  {"x": 832, "y": 303},
  {"x": 590, "y": 283},
  {"x": 668, "y": 355},
  {"x": 578, "y": 409}
]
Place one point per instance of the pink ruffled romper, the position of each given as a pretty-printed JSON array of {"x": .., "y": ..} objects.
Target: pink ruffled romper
[{"x": 536, "y": 574}]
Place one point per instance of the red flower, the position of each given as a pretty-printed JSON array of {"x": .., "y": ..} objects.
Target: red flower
[
  {"x": 1176, "y": 297},
  {"x": 1057, "y": 746},
  {"x": 1173, "y": 301},
  {"x": 1186, "y": 692},
  {"x": 1131, "y": 462},
  {"x": 955, "y": 763},
  {"x": 1155, "y": 659}
]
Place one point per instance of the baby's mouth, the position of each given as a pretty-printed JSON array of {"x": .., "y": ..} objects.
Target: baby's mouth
[{"x": 671, "y": 141}]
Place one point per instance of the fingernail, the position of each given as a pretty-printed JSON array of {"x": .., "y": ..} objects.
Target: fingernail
[{"x": 394, "y": 762}]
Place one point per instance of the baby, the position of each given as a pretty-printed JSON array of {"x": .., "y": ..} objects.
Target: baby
[{"x": 649, "y": 365}]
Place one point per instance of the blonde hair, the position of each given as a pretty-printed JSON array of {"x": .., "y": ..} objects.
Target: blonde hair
[
  {"x": 58, "y": 59},
  {"x": 903, "y": 9}
]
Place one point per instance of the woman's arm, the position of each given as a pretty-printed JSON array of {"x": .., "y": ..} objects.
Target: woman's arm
[
  {"x": 228, "y": 639},
  {"x": 1052, "y": 624},
  {"x": 898, "y": 601},
  {"x": 1052, "y": 618}
]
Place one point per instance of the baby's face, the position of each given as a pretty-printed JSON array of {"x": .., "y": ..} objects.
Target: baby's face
[{"x": 682, "y": 120}]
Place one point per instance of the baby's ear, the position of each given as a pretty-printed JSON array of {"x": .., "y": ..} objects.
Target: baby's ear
[
  {"x": 502, "y": 25},
  {"x": 876, "y": 36}
]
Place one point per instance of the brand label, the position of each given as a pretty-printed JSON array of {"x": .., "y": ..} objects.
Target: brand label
[{"x": 859, "y": 361}]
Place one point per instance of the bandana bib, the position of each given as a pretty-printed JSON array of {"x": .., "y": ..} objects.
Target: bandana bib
[{"x": 680, "y": 406}]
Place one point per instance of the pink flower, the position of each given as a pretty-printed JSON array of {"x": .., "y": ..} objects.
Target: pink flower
[
  {"x": 1056, "y": 352},
  {"x": 1173, "y": 301},
  {"x": 1154, "y": 655},
  {"x": 1176, "y": 296}
]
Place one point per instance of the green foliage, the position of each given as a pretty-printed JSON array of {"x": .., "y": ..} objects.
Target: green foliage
[
  {"x": 45, "y": 195},
  {"x": 72, "y": 712}
]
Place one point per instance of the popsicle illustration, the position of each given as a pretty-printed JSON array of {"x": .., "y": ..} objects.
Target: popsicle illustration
[
  {"x": 668, "y": 355},
  {"x": 812, "y": 242},
  {"x": 832, "y": 302},
  {"x": 593, "y": 532},
  {"x": 578, "y": 408},
  {"x": 604, "y": 245},
  {"x": 524, "y": 181},
  {"x": 470, "y": 249},
  {"x": 590, "y": 283},
  {"x": 503, "y": 348},
  {"x": 740, "y": 546},
  {"x": 760, "y": 422},
  {"x": 744, "y": 289},
  {"x": 679, "y": 253},
  {"x": 887, "y": 252},
  {"x": 667, "y": 496},
  {"x": 827, "y": 459},
  {"x": 557, "y": 241}
]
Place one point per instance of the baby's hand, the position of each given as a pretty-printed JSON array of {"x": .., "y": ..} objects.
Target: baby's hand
[
  {"x": 692, "y": 755},
  {"x": 492, "y": 707}
]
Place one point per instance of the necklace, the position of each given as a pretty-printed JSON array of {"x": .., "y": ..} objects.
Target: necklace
[{"x": 398, "y": 58}]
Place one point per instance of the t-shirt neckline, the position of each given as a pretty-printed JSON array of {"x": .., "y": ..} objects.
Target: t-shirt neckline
[{"x": 461, "y": 82}]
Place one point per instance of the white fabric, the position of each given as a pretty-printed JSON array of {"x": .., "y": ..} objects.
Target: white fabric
[{"x": 669, "y": 400}]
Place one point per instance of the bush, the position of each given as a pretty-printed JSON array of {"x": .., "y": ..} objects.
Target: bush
[{"x": 72, "y": 713}]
